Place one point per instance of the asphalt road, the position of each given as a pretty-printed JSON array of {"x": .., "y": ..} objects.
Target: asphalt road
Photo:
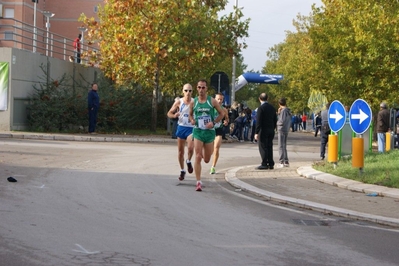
[{"x": 81, "y": 203}]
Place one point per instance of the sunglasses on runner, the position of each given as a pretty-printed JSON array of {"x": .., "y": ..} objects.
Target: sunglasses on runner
[
  {"x": 188, "y": 90},
  {"x": 201, "y": 87}
]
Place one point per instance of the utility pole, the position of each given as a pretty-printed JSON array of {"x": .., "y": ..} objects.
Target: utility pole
[
  {"x": 34, "y": 25},
  {"x": 233, "y": 76}
]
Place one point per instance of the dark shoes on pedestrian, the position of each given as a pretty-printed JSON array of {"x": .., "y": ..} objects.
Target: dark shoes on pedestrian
[
  {"x": 265, "y": 167},
  {"x": 262, "y": 167}
]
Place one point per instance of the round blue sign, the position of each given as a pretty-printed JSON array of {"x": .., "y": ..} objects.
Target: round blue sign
[
  {"x": 360, "y": 116},
  {"x": 336, "y": 116}
]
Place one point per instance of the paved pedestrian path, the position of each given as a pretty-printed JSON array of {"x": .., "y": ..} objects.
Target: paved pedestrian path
[{"x": 302, "y": 186}]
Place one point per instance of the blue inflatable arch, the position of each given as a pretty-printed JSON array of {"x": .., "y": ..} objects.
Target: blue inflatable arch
[{"x": 250, "y": 77}]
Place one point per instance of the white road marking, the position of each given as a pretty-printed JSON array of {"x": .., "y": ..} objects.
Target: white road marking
[{"x": 83, "y": 250}]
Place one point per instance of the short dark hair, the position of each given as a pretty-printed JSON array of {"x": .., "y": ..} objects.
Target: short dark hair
[
  {"x": 220, "y": 94},
  {"x": 282, "y": 101},
  {"x": 263, "y": 97},
  {"x": 203, "y": 80}
]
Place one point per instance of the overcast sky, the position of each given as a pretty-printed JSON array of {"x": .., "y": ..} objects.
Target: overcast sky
[{"x": 269, "y": 21}]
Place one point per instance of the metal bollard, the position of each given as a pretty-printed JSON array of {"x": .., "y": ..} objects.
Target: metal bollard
[
  {"x": 358, "y": 152},
  {"x": 389, "y": 141},
  {"x": 332, "y": 148}
]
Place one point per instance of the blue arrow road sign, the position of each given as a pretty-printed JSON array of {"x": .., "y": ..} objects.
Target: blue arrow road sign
[
  {"x": 360, "y": 116},
  {"x": 336, "y": 116}
]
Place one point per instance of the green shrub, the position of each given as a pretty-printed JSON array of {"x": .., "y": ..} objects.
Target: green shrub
[{"x": 57, "y": 107}]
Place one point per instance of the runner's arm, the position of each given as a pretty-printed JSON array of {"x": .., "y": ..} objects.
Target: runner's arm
[{"x": 171, "y": 112}]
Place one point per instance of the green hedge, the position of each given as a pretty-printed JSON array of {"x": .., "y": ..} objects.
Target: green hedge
[{"x": 57, "y": 107}]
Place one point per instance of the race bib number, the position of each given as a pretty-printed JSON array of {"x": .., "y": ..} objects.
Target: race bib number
[
  {"x": 203, "y": 120},
  {"x": 185, "y": 120}
]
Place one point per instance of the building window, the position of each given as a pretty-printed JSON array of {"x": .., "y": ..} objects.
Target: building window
[
  {"x": 95, "y": 9},
  {"x": 9, "y": 13},
  {"x": 8, "y": 35}
]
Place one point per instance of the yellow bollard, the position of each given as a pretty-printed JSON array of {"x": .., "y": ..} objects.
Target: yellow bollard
[
  {"x": 332, "y": 149},
  {"x": 388, "y": 141},
  {"x": 358, "y": 152}
]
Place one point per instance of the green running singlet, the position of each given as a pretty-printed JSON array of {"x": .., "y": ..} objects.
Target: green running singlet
[{"x": 203, "y": 114}]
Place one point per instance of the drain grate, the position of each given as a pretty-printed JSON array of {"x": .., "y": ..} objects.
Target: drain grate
[{"x": 311, "y": 222}]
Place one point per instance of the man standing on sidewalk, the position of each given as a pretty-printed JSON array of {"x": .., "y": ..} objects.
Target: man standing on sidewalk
[
  {"x": 93, "y": 101},
  {"x": 283, "y": 126},
  {"x": 264, "y": 133},
  {"x": 184, "y": 129},
  {"x": 325, "y": 131},
  {"x": 382, "y": 126},
  {"x": 304, "y": 120}
]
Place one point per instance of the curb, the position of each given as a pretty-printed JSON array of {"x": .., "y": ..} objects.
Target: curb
[
  {"x": 231, "y": 178},
  {"x": 352, "y": 185},
  {"x": 88, "y": 138}
]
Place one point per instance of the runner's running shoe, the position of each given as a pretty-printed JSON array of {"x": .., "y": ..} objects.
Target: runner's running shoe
[
  {"x": 189, "y": 167},
  {"x": 199, "y": 186},
  {"x": 213, "y": 170},
  {"x": 182, "y": 174}
]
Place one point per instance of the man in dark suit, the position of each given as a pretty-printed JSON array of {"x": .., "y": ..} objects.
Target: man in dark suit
[{"x": 264, "y": 132}]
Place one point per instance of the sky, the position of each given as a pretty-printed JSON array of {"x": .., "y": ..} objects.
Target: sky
[{"x": 270, "y": 19}]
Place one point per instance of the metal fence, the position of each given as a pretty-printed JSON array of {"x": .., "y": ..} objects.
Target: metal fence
[{"x": 17, "y": 34}]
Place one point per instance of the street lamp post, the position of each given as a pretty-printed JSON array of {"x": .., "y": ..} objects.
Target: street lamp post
[
  {"x": 34, "y": 26},
  {"x": 48, "y": 15},
  {"x": 233, "y": 76},
  {"x": 82, "y": 31}
]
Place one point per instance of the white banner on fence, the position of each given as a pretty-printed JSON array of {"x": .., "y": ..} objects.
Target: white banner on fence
[{"x": 3, "y": 86}]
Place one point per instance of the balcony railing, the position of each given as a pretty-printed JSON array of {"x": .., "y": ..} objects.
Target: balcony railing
[{"x": 17, "y": 34}]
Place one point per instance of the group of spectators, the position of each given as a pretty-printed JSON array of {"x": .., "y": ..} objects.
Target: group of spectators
[
  {"x": 242, "y": 123},
  {"x": 298, "y": 122}
]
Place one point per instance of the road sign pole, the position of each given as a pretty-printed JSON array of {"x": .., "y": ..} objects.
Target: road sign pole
[
  {"x": 358, "y": 153},
  {"x": 360, "y": 117}
]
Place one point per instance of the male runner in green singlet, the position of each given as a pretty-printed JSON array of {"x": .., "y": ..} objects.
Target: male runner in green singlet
[{"x": 202, "y": 117}]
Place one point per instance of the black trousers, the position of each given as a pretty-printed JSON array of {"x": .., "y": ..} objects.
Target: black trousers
[
  {"x": 323, "y": 142},
  {"x": 92, "y": 120},
  {"x": 265, "y": 144}
]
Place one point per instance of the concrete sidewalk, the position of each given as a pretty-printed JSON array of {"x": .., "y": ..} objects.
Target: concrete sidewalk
[
  {"x": 301, "y": 186},
  {"x": 298, "y": 185}
]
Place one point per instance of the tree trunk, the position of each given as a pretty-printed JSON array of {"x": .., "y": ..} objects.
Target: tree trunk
[{"x": 155, "y": 98}]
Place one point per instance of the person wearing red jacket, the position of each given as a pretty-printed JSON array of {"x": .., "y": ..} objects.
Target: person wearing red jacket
[
  {"x": 76, "y": 48},
  {"x": 304, "y": 118}
]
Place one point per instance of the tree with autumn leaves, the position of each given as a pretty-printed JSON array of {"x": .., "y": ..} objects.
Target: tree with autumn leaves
[
  {"x": 162, "y": 44},
  {"x": 345, "y": 49}
]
